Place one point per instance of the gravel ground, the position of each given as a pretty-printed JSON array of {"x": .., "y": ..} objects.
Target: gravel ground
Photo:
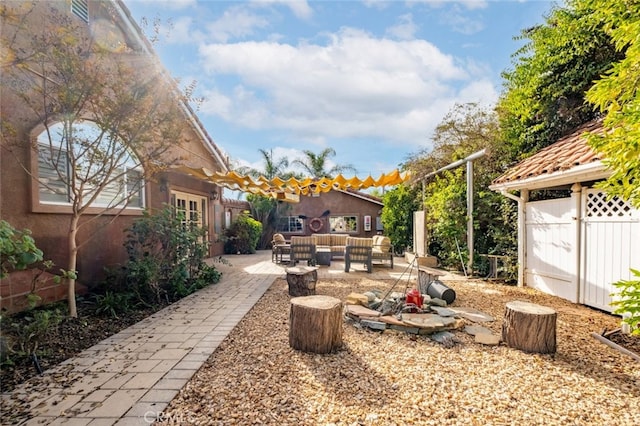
[{"x": 394, "y": 378}]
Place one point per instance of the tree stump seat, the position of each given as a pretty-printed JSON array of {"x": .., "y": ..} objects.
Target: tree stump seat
[
  {"x": 529, "y": 327},
  {"x": 302, "y": 280},
  {"x": 315, "y": 324}
]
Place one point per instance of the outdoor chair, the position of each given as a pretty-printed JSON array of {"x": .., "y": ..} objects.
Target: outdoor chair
[
  {"x": 382, "y": 250},
  {"x": 302, "y": 248},
  {"x": 279, "y": 247},
  {"x": 358, "y": 250}
]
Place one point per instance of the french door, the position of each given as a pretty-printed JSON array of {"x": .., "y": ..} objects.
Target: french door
[{"x": 193, "y": 207}]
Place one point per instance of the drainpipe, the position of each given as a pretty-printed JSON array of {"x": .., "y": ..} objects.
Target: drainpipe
[
  {"x": 522, "y": 231},
  {"x": 576, "y": 196}
]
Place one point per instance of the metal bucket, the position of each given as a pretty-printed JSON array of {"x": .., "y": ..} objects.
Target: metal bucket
[{"x": 438, "y": 290}]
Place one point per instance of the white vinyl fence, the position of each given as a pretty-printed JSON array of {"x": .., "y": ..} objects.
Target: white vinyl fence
[{"x": 581, "y": 261}]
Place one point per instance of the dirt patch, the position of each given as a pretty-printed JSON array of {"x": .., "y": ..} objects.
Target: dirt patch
[
  {"x": 390, "y": 377},
  {"x": 67, "y": 339}
]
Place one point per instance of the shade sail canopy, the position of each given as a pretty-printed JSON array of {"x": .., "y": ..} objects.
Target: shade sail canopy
[{"x": 292, "y": 188}]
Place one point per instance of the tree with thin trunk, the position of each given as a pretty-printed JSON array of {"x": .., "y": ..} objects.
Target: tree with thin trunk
[
  {"x": 109, "y": 118},
  {"x": 265, "y": 209},
  {"x": 316, "y": 164},
  {"x": 272, "y": 167}
]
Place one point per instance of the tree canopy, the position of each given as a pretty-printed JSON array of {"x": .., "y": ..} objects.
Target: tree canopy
[
  {"x": 617, "y": 95},
  {"x": 316, "y": 164},
  {"x": 544, "y": 94},
  {"x": 580, "y": 64}
]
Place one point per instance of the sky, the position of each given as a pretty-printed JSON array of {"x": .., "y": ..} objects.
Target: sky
[{"x": 370, "y": 79}]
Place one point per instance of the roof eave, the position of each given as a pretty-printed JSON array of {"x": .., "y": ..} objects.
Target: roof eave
[
  {"x": 585, "y": 172},
  {"x": 205, "y": 138},
  {"x": 361, "y": 197}
]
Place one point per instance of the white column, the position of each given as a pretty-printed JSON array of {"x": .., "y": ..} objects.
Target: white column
[
  {"x": 576, "y": 200},
  {"x": 522, "y": 237},
  {"x": 470, "y": 216}
]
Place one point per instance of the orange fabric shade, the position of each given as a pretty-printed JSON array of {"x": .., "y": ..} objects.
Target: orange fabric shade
[{"x": 292, "y": 188}]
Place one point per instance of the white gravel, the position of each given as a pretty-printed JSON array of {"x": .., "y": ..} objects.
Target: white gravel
[{"x": 394, "y": 378}]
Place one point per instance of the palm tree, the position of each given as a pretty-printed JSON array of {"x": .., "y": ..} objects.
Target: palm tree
[
  {"x": 314, "y": 164},
  {"x": 265, "y": 209},
  {"x": 272, "y": 167}
]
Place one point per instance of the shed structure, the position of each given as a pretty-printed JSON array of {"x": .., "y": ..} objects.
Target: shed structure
[{"x": 574, "y": 247}]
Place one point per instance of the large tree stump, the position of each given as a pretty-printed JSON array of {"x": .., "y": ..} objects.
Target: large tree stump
[
  {"x": 302, "y": 280},
  {"x": 315, "y": 324},
  {"x": 529, "y": 327}
]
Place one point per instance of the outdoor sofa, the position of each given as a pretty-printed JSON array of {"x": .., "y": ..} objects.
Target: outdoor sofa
[
  {"x": 377, "y": 249},
  {"x": 336, "y": 243}
]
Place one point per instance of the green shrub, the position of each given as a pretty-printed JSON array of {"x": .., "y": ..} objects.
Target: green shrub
[
  {"x": 38, "y": 322},
  {"x": 243, "y": 235},
  {"x": 397, "y": 216},
  {"x": 628, "y": 301},
  {"x": 114, "y": 303},
  {"x": 166, "y": 258},
  {"x": 17, "y": 249}
]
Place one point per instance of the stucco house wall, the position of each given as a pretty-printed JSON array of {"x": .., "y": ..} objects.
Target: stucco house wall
[
  {"x": 49, "y": 223},
  {"x": 338, "y": 204}
]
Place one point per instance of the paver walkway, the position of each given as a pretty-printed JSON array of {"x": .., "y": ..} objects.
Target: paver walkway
[{"x": 129, "y": 378}]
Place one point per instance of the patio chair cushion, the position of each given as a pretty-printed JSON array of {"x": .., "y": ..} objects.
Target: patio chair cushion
[
  {"x": 302, "y": 248},
  {"x": 382, "y": 249},
  {"x": 359, "y": 256},
  {"x": 381, "y": 244},
  {"x": 278, "y": 239},
  {"x": 322, "y": 239}
]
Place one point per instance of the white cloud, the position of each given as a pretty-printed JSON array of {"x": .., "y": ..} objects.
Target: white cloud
[
  {"x": 236, "y": 22},
  {"x": 455, "y": 13},
  {"x": 468, "y": 4},
  {"x": 462, "y": 23},
  {"x": 181, "y": 31},
  {"x": 376, "y": 4},
  {"x": 217, "y": 104},
  {"x": 355, "y": 86},
  {"x": 300, "y": 8},
  {"x": 405, "y": 29}
]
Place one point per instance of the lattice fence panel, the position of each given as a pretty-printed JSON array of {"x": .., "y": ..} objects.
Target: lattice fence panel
[{"x": 599, "y": 206}]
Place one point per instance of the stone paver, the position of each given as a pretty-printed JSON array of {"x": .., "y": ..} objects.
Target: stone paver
[{"x": 131, "y": 377}]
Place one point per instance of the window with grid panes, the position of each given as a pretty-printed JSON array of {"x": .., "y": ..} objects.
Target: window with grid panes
[
  {"x": 102, "y": 165},
  {"x": 193, "y": 208},
  {"x": 290, "y": 224},
  {"x": 343, "y": 224}
]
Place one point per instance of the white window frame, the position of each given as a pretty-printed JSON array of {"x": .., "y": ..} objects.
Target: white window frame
[
  {"x": 297, "y": 229},
  {"x": 341, "y": 224},
  {"x": 195, "y": 208},
  {"x": 47, "y": 174}
]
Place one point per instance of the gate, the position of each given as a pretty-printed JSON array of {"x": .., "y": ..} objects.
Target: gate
[
  {"x": 551, "y": 253},
  {"x": 610, "y": 246}
]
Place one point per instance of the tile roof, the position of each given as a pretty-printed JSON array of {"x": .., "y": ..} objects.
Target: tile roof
[{"x": 568, "y": 152}]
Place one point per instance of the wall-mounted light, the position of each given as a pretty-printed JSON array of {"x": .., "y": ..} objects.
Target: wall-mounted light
[
  {"x": 164, "y": 184},
  {"x": 214, "y": 195}
]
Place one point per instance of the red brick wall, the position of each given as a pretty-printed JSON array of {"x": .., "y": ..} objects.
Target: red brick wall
[{"x": 15, "y": 288}]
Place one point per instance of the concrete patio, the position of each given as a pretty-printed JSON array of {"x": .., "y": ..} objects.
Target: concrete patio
[{"x": 130, "y": 377}]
